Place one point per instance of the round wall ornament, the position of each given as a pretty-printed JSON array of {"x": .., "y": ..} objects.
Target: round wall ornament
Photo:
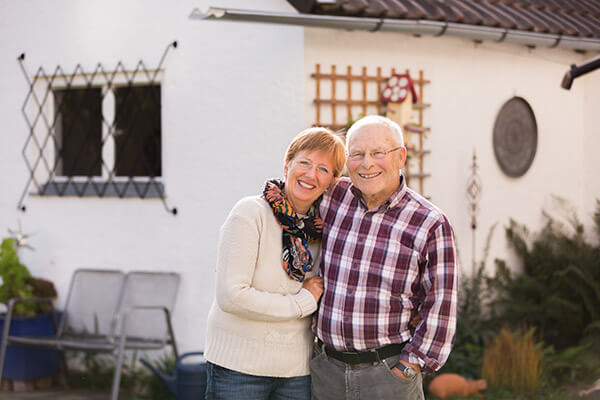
[{"x": 515, "y": 137}]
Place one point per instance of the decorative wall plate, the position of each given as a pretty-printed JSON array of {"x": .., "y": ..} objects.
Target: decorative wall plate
[{"x": 515, "y": 137}]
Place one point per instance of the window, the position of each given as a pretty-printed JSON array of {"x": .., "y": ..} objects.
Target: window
[
  {"x": 95, "y": 133},
  {"x": 78, "y": 131},
  {"x": 107, "y": 141},
  {"x": 134, "y": 133},
  {"x": 137, "y": 136}
]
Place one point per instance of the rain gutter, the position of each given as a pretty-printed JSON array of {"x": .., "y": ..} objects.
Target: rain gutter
[{"x": 414, "y": 27}]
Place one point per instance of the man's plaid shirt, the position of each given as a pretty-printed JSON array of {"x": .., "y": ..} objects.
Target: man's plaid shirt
[{"x": 381, "y": 267}]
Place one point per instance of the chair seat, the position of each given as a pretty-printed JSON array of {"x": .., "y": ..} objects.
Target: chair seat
[
  {"x": 87, "y": 343},
  {"x": 66, "y": 343}
]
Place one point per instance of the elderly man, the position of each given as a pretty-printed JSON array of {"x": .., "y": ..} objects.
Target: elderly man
[{"x": 388, "y": 258}]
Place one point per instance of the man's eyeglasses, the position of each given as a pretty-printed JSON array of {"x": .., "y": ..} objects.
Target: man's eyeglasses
[{"x": 377, "y": 154}]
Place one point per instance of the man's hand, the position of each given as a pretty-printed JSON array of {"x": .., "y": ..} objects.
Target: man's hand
[
  {"x": 315, "y": 286},
  {"x": 399, "y": 373}
]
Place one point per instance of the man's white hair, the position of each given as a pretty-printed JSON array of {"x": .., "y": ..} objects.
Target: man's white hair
[{"x": 394, "y": 128}]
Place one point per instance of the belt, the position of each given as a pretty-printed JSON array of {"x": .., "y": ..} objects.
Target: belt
[{"x": 360, "y": 357}]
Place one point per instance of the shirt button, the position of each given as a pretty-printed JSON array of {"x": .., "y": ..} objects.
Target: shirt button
[
  {"x": 349, "y": 345},
  {"x": 350, "y": 291},
  {"x": 360, "y": 240},
  {"x": 354, "y": 265},
  {"x": 346, "y": 319}
]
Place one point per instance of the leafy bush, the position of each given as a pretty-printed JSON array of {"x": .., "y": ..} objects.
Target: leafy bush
[
  {"x": 17, "y": 282},
  {"x": 559, "y": 288},
  {"x": 473, "y": 328},
  {"x": 95, "y": 371},
  {"x": 14, "y": 279}
]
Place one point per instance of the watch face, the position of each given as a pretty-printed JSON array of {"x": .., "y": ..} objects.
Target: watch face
[{"x": 409, "y": 372}]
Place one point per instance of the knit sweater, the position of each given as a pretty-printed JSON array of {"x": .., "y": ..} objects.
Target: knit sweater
[{"x": 259, "y": 323}]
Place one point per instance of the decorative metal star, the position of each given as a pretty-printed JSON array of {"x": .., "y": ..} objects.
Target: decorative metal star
[{"x": 20, "y": 237}]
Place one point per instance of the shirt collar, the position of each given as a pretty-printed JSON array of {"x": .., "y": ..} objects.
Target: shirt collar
[{"x": 392, "y": 201}]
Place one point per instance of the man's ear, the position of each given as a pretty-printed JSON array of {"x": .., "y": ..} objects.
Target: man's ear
[{"x": 402, "y": 152}]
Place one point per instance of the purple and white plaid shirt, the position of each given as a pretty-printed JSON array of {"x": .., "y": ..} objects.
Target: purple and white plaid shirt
[{"x": 381, "y": 267}]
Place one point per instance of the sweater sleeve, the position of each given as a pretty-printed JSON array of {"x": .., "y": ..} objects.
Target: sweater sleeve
[{"x": 236, "y": 262}]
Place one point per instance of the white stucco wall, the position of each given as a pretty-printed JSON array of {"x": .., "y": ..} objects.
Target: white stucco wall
[
  {"x": 590, "y": 85},
  {"x": 232, "y": 99},
  {"x": 469, "y": 84}
]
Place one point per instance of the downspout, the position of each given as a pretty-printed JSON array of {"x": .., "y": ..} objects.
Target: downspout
[
  {"x": 578, "y": 70},
  {"x": 414, "y": 27}
]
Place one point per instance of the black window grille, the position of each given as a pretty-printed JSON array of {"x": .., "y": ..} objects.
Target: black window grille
[{"x": 95, "y": 133}]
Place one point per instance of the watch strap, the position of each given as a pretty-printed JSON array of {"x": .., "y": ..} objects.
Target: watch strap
[{"x": 408, "y": 372}]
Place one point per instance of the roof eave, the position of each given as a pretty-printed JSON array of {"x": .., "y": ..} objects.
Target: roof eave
[{"x": 414, "y": 27}]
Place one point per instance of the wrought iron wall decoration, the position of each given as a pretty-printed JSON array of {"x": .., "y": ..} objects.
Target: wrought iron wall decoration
[
  {"x": 474, "y": 189},
  {"x": 95, "y": 133},
  {"x": 515, "y": 137}
]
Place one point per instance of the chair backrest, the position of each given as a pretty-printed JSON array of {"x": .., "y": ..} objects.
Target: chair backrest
[
  {"x": 93, "y": 302},
  {"x": 154, "y": 289}
]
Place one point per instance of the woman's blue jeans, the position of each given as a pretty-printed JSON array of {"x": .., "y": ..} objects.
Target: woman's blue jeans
[{"x": 225, "y": 384}]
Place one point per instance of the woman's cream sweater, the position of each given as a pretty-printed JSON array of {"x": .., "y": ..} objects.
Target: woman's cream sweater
[{"x": 259, "y": 323}]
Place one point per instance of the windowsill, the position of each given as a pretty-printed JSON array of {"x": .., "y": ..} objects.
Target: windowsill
[{"x": 135, "y": 188}]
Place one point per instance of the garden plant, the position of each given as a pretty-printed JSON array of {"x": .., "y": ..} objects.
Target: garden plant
[{"x": 548, "y": 313}]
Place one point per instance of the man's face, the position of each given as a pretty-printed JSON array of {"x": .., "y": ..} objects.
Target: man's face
[{"x": 377, "y": 179}]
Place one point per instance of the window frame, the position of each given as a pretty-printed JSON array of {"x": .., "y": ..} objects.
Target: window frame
[{"x": 48, "y": 182}]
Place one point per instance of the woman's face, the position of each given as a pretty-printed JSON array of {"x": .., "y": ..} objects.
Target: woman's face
[{"x": 307, "y": 176}]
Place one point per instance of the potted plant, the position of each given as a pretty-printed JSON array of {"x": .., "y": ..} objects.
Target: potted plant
[{"x": 28, "y": 318}]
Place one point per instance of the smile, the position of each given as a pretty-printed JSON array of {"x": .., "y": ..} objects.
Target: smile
[
  {"x": 306, "y": 185},
  {"x": 369, "y": 176}
]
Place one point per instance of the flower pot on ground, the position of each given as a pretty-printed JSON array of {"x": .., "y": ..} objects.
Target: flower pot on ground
[
  {"x": 28, "y": 318},
  {"x": 28, "y": 363}
]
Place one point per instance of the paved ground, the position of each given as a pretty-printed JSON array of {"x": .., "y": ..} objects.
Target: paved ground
[{"x": 57, "y": 394}]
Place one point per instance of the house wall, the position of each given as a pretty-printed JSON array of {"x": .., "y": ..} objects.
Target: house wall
[
  {"x": 590, "y": 86},
  {"x": 469, "y": 84},
  {"x": 232, "y": 98}
]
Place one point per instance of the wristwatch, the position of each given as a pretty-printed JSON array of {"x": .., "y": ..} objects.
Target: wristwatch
[{"x": 408, "y": 372}]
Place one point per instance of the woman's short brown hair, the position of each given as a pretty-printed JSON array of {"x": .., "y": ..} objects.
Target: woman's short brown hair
[{"x": 319, "y": 139}]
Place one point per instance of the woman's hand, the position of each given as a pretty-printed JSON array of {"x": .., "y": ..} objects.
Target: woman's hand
[{"x": 315, "y": 286}]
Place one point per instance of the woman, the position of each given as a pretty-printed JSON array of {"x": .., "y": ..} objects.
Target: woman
[{"x": 258, "y": 341}]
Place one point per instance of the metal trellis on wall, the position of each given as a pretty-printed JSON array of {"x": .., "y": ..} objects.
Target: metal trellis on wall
[{"x": 344, "y": 105}]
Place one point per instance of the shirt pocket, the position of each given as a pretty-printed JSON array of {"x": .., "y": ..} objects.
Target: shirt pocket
[{"x": 399, "y": 268}]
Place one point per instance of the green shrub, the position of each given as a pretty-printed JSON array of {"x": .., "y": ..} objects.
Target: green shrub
[
  {"x": 473, "y": 328},
  {"x": 14, "y": 279},
  {"x": 17, "y": 282},
  {"x": 96, "y": 372},
  {"x": 559, "y": 288}
]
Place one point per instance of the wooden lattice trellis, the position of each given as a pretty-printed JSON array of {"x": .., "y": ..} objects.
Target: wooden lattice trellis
[{"x": 339, "y": 98}]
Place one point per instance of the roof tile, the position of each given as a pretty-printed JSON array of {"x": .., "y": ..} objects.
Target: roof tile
[{"x": 565, "y": 17}]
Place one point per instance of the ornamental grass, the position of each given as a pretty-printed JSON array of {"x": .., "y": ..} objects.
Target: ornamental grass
[{"x": 513, "y": 360}]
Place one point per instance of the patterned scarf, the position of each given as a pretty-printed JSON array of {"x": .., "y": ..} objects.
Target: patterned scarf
[{"x": 297, "y": 232}]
